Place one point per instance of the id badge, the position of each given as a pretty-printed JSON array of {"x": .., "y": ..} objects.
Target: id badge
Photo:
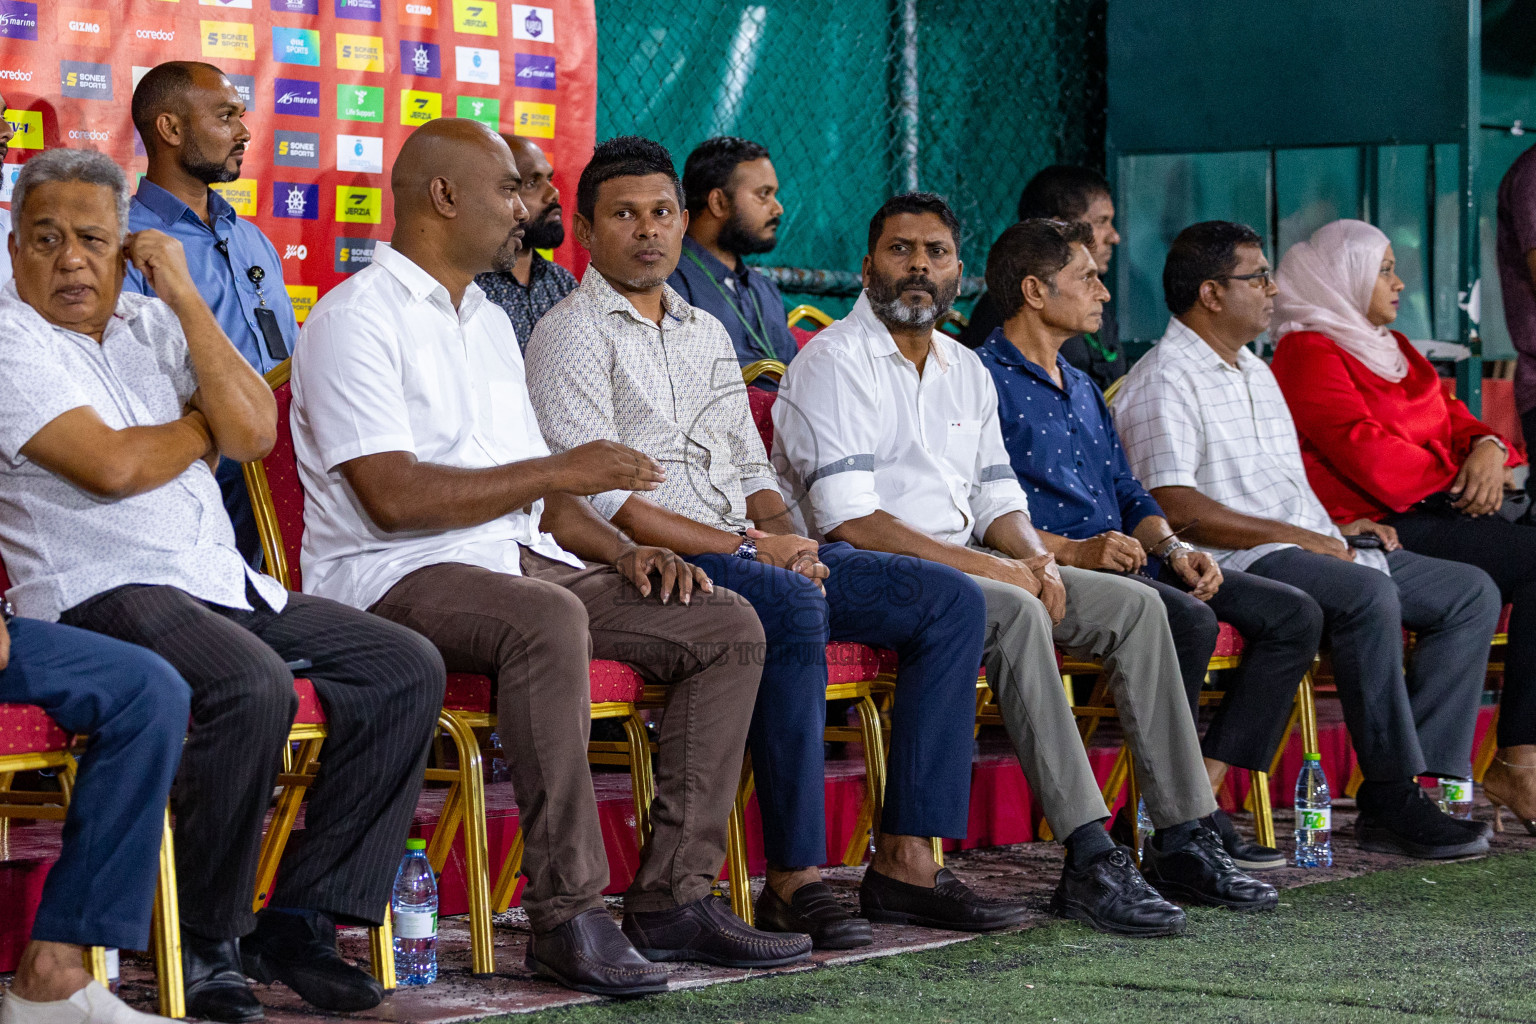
[{"x": 271, "y": 333}]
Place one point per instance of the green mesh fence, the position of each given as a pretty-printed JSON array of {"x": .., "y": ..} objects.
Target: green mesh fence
[{"x": 861, "y": 99}]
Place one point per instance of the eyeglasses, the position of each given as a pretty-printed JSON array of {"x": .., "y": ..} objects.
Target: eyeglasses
[{"x": 1264, "y": 277}]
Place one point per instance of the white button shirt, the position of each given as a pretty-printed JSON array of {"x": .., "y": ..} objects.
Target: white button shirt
[
  {"x": 63, "y": 545},
  {"x": 384, "y": 364},
  {"x": 5, "y": 249},
  {"x": 856, "y": 430},
  {"x": 1188, "y": 418}
]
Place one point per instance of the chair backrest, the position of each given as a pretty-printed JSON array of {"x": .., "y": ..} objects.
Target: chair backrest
[
  {"x": 277, "y": 495},
  {"x": 814, "y": 315},
  {"x": 761, "y": 402}
]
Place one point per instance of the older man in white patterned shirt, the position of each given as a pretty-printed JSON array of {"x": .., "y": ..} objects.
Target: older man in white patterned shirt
[{"x": 1208, "y": 432}]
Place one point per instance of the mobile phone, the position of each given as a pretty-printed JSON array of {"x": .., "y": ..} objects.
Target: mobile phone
[
  {"x": 1365, "y": 540},
  {"x": 299, "y": 664}
]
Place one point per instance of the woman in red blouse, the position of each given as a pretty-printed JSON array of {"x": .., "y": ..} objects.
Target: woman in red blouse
[{"x": 1381, "y": 440}]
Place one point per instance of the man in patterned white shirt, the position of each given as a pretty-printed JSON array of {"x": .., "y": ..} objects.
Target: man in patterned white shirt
[
  {"x": 113, "y": 408},
  {"x": 1207, "y": 431},
  {"x": 625, "y": 358}
]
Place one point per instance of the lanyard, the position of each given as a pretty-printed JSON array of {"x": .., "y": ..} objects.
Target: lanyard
[
  {"x": 1103, "y": 352},
  {"x": 758, "y": 334}
]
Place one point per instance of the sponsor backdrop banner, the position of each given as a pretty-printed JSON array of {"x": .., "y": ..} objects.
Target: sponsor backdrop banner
[{"x": 332, "y": 88}]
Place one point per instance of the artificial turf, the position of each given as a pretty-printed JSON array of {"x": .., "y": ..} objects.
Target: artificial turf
[{"x": 1426, "y": 943}]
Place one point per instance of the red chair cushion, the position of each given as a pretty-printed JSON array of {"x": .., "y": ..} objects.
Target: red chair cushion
[
  {"x": 310, "y": 712},
  {"x": 1504, "y": 619},
  {"x": 282, "y": 468},
  {"x": 802, "y": 336},
  {"x": 761, "y": 404},
  {"x": 1229, "y": 642},
  {"x": 855, "y": 663},
  {"x": 612, "y": 682},
  {"x": 27, "y": 729}
]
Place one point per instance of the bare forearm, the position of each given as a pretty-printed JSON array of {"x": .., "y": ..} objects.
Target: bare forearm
[
  {"x": 578, "y": 528},
  {"x": 768, "y": 512},
  {"x": 1219, "y": 526},
  {"x": 241, "y": 411},
  {"x": 1015, "y": 536},
  {"x": 117, "y": 464},
  {"x": 401, "y": 494},
  {"x": 881, "y": 531},
  {"x": 1151, "y": 531},
  {"x": 649, "y": 523}
]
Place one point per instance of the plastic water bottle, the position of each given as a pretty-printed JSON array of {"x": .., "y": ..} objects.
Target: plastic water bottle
[
  {"x": 1144, "y": 827},
  {"x": 414, "y": 916},
  {"x": 1456, "y": 798},
  {"x": 1314, "y": 816}
]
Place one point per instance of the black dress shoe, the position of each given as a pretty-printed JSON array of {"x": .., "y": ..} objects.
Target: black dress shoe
[
  {"x": 1246, "y": 855},
  {"x": 216, "y": 986},
  {"x": 706, "y": 932},
  {"x": 1407, "y": 822},
  {"x": 813, "y": 910},
  {"x": 589, "y": 954},
  {"x": 299, "y": 950},
  {"x": 1200, "y": 871},
  {"x": 1109, "y": 895},
  {"x": 950, "y": 904}
]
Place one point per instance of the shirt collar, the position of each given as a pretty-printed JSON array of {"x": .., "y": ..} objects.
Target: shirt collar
[
  {"x": 422, "y": 285},
  {"x": 608, "y": 300},
  {"x": 1182, "y": 339},
  {"x": 171, "y": 209},
  {"x": 879, "y": 339},
  {"x": 1003, "y": 351},
  {"x": 712, "y": 264}
]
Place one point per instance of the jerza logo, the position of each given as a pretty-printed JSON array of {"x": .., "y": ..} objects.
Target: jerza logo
[
  {"x": 296, "y": 200},
  {"x": 534, "y": 71},
  {"x": 18, "y": 20},
  {"x": 420, "y": 107},
  {"x": 477, "y": 17},
  {"x": 296, "y": 96},
  {"x": 358, "y": 205}
]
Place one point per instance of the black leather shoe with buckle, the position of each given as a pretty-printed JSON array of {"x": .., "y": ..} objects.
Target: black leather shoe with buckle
[
  {"x": 813, "y": 910},
  {"x": 705, "y": 931},
  {"x": 299, "y": 950},
  {"x": 1249, "y": 856},
  {"x": 950, "y": 904},
  {"x": 1201, "y": 871},
  {"x": 1109, "y": 895},
  {"x": 215, "y": 984},
  {"x": 589, "y": 954}
]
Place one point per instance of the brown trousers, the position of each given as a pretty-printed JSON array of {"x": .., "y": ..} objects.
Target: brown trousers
[{"x": 535, "y": 634}]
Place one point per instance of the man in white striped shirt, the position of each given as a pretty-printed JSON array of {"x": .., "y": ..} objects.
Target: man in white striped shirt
[{"x": 1208, "y": 432}]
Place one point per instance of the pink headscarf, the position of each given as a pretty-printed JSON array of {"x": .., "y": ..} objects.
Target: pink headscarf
[{"x": 1325, "y": 286}]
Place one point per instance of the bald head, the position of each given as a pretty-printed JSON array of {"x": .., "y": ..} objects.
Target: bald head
[{"x": 455, "y": 187}]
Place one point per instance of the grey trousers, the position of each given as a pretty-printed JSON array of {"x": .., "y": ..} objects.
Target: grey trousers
[{"x": 1123, "y": 624}]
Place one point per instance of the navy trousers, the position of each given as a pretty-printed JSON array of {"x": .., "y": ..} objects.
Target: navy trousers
[
  {"x": 133, "y": 706},
  {"x": 933, "y": 616}
]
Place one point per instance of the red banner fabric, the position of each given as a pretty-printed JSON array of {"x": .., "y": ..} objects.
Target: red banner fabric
[{"x": 332, "y": 88}]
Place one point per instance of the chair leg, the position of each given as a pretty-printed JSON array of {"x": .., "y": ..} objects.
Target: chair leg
[
  {"x": 868, "y": 823},
  {"x": 641, "y": 779},
  {"x": 1133, "y": 796},
  {"x": 283, "y": 817},
  {"x": 1485, "y": 750},
  {"x": 1353, "y": 785},
  {"x": 95, "y": 963},
  {"x": 165, "y": 932},
  {"x": 736, "y": 847},
  {"x": 506, "y": 882},
  {"x": 1308, "y": 699},
  {"x": 477, "y": 871},
  {"x": 381, "y": 950},
  {"x": 1263, "y": 814}
]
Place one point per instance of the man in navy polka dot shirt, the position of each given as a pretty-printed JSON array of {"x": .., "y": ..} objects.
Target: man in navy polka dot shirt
[{"x": 1092, "y": 513}]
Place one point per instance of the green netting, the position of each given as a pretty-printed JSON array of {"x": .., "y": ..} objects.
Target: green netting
[{"x": 863, "y": 98}]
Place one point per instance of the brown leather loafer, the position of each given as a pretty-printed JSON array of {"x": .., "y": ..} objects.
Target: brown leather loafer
[
  {"x": 590, "y": 954},
  {"x": 950, "y": 904},
  {"x": 813, "y": 910},
  {"x": 705, "y": 931}
]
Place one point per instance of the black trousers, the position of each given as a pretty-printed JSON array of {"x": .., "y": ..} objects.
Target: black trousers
[
  {"x": 381, "y": 686},
  {"x": 1507, "y": 552},
  {"x": 1281, "y": 628}
]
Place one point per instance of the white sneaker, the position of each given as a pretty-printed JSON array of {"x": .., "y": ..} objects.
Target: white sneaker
[{"x": 91, "y": 1005}]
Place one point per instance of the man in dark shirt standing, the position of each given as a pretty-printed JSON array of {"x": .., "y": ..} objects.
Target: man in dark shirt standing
[
  {"x": 534, "y": 284},
  {"x": 1092, "y": 513},
  {"x": 1064, "y": 192},
  {"x": 733, "y": 211}
]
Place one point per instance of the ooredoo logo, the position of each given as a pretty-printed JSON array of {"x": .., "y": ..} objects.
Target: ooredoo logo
[
  {"x": 89, "y": 135},
  {"x": 157, "y": 35},
  {"x": 15, "y": 75},
  {"x": 18, "y": 20},
  {"x": 85, "y": 26}
]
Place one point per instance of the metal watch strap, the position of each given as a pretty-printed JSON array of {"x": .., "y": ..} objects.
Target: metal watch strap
[{"x": 747, "y": 550}]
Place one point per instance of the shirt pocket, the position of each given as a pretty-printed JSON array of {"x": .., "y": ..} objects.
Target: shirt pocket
[{"x": 961, "y": 440}]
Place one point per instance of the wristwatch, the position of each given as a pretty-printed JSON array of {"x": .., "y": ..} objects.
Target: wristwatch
[
  {"x": 747, "y": 551},
  {"x": 1170, "y": 550},
  {"x": 1496, "y": 440}
]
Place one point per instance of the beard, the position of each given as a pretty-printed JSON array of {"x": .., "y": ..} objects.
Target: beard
[
  {"x": 204, "y": 168},
  {"x": 506, "y": 256},
  {"x": 735, "y": 237},
  {"x": 546, "y": 233},
  {"x": 885, "y": 299}
]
